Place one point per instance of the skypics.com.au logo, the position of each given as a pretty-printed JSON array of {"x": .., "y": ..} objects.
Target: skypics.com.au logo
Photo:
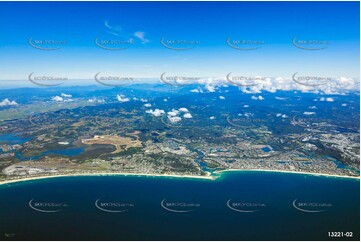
[
  {"x": 179, "y": 207},
  {"x": 46, "y": 44},
  {"x": 245, "y": 207},
  {"x": 179, "y": 44},
  {"x": 47, "y": 207},
  {"x": 112, "y": 80},
  {"x": 46, "y": 80},
  {"x": 311, "y": 207},
  {"x": 246, "y": 45},
  {"x": 113, "y": 207},
  {"x": 310, "y": 44}
]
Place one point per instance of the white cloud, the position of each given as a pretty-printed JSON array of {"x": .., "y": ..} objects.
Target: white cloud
[
  {"x": 248, "y": 115},
  {"x": 222, "y": 98},
  {"x": 157, "y": 112},
  {"x": 187, "y": 115},
  {"x": 118, "y": 31},
  {"x": 185, "y": 110},
  {"x": 165, "y": 100},
  {"x": 57, "y": 99},
  {"x": 174, "y": 119},
  {"x": 92, "y": 100},
  {"x": 141, "y": 35},
  {"x": 65, "y": 95},
  {"x": 344, "y": 105},
  {"x": 329, "y": 99},
  {"x": 122, "y": 98},
  {"x": 173, "y": 113},
  {"x": 7, "y": 102},
  {"x": 195, "y": 90},
  {"x": 281, "y": 115},
  {"x": 148, "y": 105},
  {"x": 212, "y": 117},
  {"x": 336, "y": 86},
  {"x": 143, "y": 100},
  {"x": 246, "y": 106},
  {"x": 309, "y": 113},
  {"x": 312, "y": 107},
  {"x": 210, "y": 88},
  {"x": 257, "y": 98}
]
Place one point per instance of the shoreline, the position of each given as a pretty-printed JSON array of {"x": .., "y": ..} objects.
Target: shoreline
[
  {"x": 289, "y": 172},
  {"x": 104, "y": 174},
  {"x": 208, "y": 177}
]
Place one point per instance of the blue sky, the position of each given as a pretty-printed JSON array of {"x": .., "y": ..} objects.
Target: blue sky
[{"x": 79, "y": 23}]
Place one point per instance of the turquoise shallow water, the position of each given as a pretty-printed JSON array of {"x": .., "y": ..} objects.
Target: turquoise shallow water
[{"x": 237, "y": 206}]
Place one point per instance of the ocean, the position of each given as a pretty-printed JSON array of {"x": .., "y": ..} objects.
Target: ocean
[{"x": 236, "y": 206}]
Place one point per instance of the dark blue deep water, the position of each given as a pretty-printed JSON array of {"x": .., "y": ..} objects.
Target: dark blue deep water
[{"x": 266, "y": 197}]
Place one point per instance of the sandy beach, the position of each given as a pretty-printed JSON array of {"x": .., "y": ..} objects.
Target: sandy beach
[
  {"x": 290, "y": 172},
  {"x": 105, "y": 174},
  {"x": 209, "y": 177}
]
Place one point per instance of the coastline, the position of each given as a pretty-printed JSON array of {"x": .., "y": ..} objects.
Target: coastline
[
  {"x": 208, "y": 177},
  {"x": 104, "y": 174},
  {"x": 289, "y": 172}
]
